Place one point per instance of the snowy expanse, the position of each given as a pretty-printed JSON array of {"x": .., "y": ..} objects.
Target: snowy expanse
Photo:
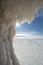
[{"x": 29, "y": 51}]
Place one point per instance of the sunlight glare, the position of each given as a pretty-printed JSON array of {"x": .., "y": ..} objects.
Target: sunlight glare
[{"x": 17, "y": 24}]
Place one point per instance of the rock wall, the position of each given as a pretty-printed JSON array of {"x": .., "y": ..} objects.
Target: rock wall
[{"x": 7, "y": 31}]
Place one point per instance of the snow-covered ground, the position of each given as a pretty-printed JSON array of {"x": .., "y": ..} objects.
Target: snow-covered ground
[{"x": 29, "y": 51}]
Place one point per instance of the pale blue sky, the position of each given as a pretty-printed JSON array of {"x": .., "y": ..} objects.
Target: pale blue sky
[{"x": 36, "y": 27}]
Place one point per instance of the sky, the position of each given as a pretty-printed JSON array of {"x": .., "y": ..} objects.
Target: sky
[{"x": 34, "y": 28}]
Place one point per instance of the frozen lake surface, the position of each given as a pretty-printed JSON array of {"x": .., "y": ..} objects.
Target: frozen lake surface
[{"x": 29, "y": 51}]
